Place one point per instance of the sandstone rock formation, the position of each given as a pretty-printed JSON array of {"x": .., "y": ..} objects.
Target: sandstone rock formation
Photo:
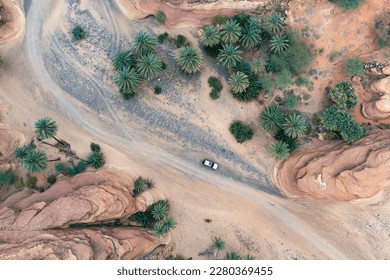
[
  {"x": 379, "y": 107},
  {"x": 190, "y": 12},
  {"x": 337, "y": 170},
  {"x": 42, "y": 220}
]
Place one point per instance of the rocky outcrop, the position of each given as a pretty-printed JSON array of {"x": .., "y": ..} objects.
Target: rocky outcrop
[
  {"x": 337, "y": 170},
  {"x": 12, "y": 21},
  {"x": 42, "y": 220},
  {"x": 379, "y": 107},
  {"x": 190, "y": 12}
]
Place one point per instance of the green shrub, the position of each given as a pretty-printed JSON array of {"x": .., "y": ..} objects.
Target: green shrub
[
  {"x": 220, "y": 19},
  {"x": 214, "y": 94},
  {"x": 291, "y": 101},
  {"x": 267, "y": 82},
  {"x": 301, "y": 81},
  {"x": 215, "y": 83},
  {"x": 180, "y": 41},
  {"x": 343, "y": 123},
  {"x": 343, "y": 94},
  {"x": 157, "y": 90},
  {"x": 81, "y": 166},
  {"x": 78, "y": 33},
  {"x": 31, "y": 182},
  {"x": 381, "y": 43},
  {"x": 212, "y": 51},
  {"x": 292, "y": 143},
  {"x": 284, "y": 79},
  {"x": 160, "y": 17},
  {"x": 161, "y": 38},
  {"x": 19, "y": 183},
  {"x": 95, "y": 148},
  {"x": 350, "y": 4},
  {"x": 51, "y": 179},
  {"x": 241, "y": 131},
  {"x": 7, "y": 178},
  {"x": 354, "y": 66}
]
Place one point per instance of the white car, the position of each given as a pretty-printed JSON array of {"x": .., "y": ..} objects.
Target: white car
[{"x": 210, "y": 164}]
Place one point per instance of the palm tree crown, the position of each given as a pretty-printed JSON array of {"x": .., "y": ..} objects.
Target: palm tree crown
[
  {"x": 218, "y": 244},
  {"x": 278, "y": 43},
  {"x": 145, "y": 42},
  {"x": 279, "y": 150},
  {"x": 230, "y": 31},
  {"x": 169, "y": 224},
  {"x": 45, "y": 128},
  {"x": 128, "y": 80},
  {"x": 190, "y": 60},
  {"x": 294, "y": 125},
  {"x": 96, "y": 160},
  {"x": 274, "y": 23},
  {"x": 258, "y": 66},
  {"x": 22, "y": 152},
  {"x": 238, "y": 82},
  {"x": 232, "y": 256},
  {"x": 160, "y": 210},
  {"x": 35, "y": 161},
  {"x": 123, "y": 59},
  {"x": 149, "y": 65},
  {"x": 210, "y": 36},
  {"x": 229, "y": 56},
  {"x": 250, "y": 36},
  {"x": 272, "y": 118}
]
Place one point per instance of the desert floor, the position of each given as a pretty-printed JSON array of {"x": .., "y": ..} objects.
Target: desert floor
[{"x": 165, "y": 137}]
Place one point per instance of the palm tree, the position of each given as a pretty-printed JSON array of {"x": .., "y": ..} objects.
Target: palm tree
[
  {"x": 190, "y": 60},
  {"x": 254, "y": 21},
  {"x": 279, "y": 150},
  {"x": 22, "y": 152},
  {"x": 232, "y": 256},
  {"x": 238, "y": 82},
  {"x": 250, "y": 36},
  {"x": 274, "y": 23},
  {"x": 229, "y": 56},
  {"x": 248, "y": 257},
  {"x": 96, "y": 160},
  {"x": 169, "y": 224},
  {"x": 230, "y": 31},
  {"x": 294, "y": 125},
  {"x": 143, "y": 218},
  {"x": 278, "y": 43},
  {"x": 145, "y": 42},
  {"x": 46, "y": 128},
  {"x": 210, "y": 36},
  {"x": 35, "y": 161},
  {"x": 123, "y": 59},
  {"x": 127, "y": 80},
  {"x": 258, "y": 66},
  {"x": 160, "y": 210},
  {"x": 218, "y": 245},
  {"x": 159, "y": 229},
  {"x": 149, "y": 65},
  {"x": 272, "y": 118}
]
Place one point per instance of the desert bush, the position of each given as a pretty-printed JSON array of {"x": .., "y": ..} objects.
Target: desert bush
[
  {"x": 161, "y": 38},
  {"x": 301, "y": 81},
  {"x": 19, "y": 183},
  {"x": 241, "y": 131},
  {"x": 284, "y": 79},
  {"x": 215, "y": 83},
  {"x": 51, "y": 179},
  {"x": 78, "y": 33},
  {"x": 157, "y": 90},
  {"x": 354, "y": 66},
  {"x": 31, "y": 182},
  {"x": 343, "y": 123},
  {"x": 343, "y": 94},
  {"x": 267, "y": 82},
  {"x": 213, "y": 51},
  {"x": 349, "y": 4},
  {"x": 220, "y": 19},
  {"x": 180, "y": 41},
  {"x": 160, "y": 17},
  {"x": 7, "y": 178},
  {"x": 290, "y": 102},
  {"x": 381, "y": 43}
]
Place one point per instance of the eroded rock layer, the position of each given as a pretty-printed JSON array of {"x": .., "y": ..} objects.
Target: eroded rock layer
[
  {"x": 379, "y": 107},
  {"x": 42, "y": 220},
  {"x": 188, "y": 12},
  {"x": 336, "y": 170}
]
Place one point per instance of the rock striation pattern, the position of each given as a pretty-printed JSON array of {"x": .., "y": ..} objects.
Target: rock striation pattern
[
  {"x": 190, "y": 12},
  {"x": 379, "y": 107},
  {"x": 42, "y": 220},
  {"x": 336, "y": 170}
]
